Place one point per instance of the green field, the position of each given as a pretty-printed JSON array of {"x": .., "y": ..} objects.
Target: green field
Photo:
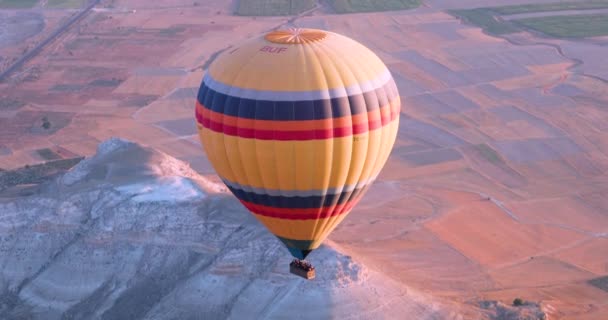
[
  {"x": 273, "y": 7},
  {"x": 558, "y": 26},
  {"x": 10, "y": 104},
  {"x": 488, "y": 153},
  {"x": 484, "y": 18},
  {"x": 601, "y": 283},
  {"x": 351, "y": 6},
  {"x": 37, "y": 173},
  {"x": 48, "y": 154},
  {"x": 557, "y": 6},
  {"x": 575, "y": 26},
  {"x": 65, "y": 4},
  {"x": 17, "y": 4}
]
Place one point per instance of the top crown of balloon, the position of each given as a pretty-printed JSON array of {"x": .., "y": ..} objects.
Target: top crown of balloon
[{"x": 295, "y": 36}]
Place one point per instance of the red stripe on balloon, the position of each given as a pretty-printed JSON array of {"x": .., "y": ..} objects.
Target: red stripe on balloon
[
  {"x": 387, "y": 116},
  {"x": 301, "y": 214}
]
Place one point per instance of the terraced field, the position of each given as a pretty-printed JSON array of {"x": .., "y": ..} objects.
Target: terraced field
[
  {"x": 578, "y": 24},
  {"x": 65, "y": 4},
  {"x": 351, "y": 6},
  {"x": 557, "y": 6},
  {"x": 273, "y": 7},
  {"x": 17, "y": 4}
]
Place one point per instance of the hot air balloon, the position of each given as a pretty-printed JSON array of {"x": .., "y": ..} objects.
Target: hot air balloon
[{"x": 298, "y": 124}]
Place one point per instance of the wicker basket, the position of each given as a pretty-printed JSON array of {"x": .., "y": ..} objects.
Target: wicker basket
[{"x": 301, "y": 272}]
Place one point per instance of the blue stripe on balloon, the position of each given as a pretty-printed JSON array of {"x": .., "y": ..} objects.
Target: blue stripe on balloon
[
  {"x": 309, "y": 202},
  {"x": 297, "y": 110}
]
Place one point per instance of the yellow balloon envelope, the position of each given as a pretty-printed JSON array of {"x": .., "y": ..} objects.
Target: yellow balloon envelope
[{"x": 298, "y": 123}]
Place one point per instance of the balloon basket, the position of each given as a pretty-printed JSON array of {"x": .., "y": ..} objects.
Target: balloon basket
[{"x": 302, "y": 268}]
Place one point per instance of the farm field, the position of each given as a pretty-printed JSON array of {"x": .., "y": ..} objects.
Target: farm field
[
  {"x": 577, "y": 26},
  {"x": 17, "y": 4},
  {"x": 65, "y": 4},
  {"x": 544, "y": 18},
  {"x": 551, "y": 6},
  {"x": 273, "y": 7},
  {"x": 351, "y": 6}
]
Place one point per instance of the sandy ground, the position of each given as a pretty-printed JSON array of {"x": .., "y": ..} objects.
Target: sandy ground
[
  {"x": 21, "y": 30},
  {"x": 496, "y": 186}
]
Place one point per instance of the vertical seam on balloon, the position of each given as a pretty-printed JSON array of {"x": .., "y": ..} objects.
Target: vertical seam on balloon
[
  {"x": 259, "y": 168},
  {"x": 254, "y": 151},
  {"x": 295, "y": 155},
  {"x": 383, "y": 92},
  {"x": 332, "y": 222},
  {"x": 356, "y": 196},
  {"x": 240, "y": 157},
  {"x": 254, "y": 140},
  {"x": 385, "y": 151},
  {"x": 274, "y": 161},
  {"x": 367, "y": 72},
  {"x": 327, "y": 222},
  {"x": 371, "y": 176},
  {"x": 200, "y": 127},
  {"x": 262, "y": 183},
  {"x": 294, "y": 161},
  {"x": 231, "y": 87},
  {"x": 383, "y": 144},
  {"x": 314, "y": 171},
  {"x": 222, "y": 136},
  {"x": 317, "y": 227},
  {"x": 280, "y": 186},
  {"x": 339, "y": 188},
  {"x": 276, "y": 149},
  {"x": 390, "y": 84}
]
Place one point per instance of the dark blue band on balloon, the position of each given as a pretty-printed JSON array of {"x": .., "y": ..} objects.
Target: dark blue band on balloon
[
  {"x": 295, "y": 202},
  {"x": 297, "y": 110}
]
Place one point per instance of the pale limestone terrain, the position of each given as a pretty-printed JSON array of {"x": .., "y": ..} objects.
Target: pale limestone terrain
[{"x": 163, "y": 242}]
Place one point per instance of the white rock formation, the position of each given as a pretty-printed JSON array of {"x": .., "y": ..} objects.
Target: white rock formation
[{"x": 132, "y": 233}]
